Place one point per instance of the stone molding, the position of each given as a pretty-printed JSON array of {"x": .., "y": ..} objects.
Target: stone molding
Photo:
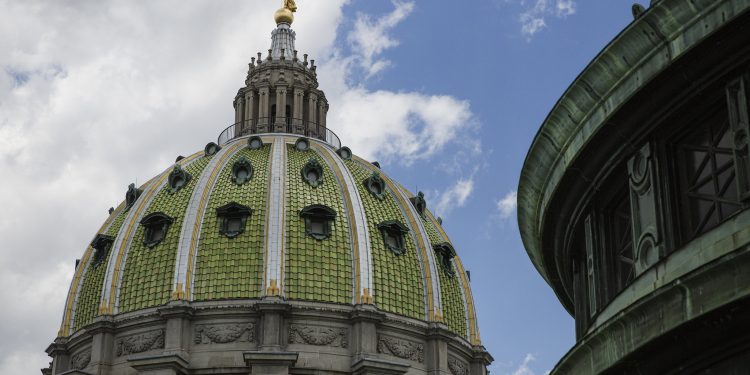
[
  {"x": 401, "y": 348},
  {"x": 457, "y": 366},
  {"x": 80, "y": 360},
  {"x": 318, "y": 335},
  {"x": 224, "y": 333},
  {"x": 140, "y": 343}
]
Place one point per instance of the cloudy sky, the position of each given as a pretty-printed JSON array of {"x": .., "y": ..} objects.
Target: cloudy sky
[{"x": 446, "y": 94}]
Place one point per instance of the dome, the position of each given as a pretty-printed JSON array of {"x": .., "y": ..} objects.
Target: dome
[
  {"x": 381, "y": 247},
  {"x": 274, "y": 248}
]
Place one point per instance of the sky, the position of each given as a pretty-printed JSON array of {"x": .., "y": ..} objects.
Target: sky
[{"x": 447, "y": 95}]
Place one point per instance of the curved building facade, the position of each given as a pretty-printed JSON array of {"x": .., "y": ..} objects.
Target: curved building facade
[
  {"x": 633, "y": 200},
  {"x": 274, "y": 250}
]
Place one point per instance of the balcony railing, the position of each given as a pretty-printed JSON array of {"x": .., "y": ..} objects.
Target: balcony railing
[{"x": 279, "y": 125}]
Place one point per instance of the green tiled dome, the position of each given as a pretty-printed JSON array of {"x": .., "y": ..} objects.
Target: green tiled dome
[{"x": 274, "y": 252}]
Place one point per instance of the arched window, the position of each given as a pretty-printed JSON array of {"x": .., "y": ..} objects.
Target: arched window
[
  {"x": 156, "y": 226},
  {"x": 312, "y": 172},
  {"x": 233, "y": 219},
  {"x": 445, "y": 254},
  {"x": 101, "y": 245},
  {"x": 318, "y": 221},
  {"x": 393, "y": 233}
]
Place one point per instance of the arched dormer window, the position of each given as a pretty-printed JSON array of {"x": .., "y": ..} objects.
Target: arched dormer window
[
  {"x": 312, "y": 172},
  {"x": 318, "y": 221},
  {"x": 233, "y": 219},
  {"x": 156, "y": 226},
  {"x": 445, "y": 254},
  {"x": 211, "y": 149},
  {"x": 393, "y": 233},
  {"x": 101, "y": 245}
]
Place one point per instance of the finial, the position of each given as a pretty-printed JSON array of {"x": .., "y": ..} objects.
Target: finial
[
  {"x": 260, "y": 60},
  {"x": 252, "y": 61},
  {"x": 286, "y": 13},
  {"x": 269, "y": 54},
  {"x": 305, "y": 62},
  {"x": 295, "y": 59}
]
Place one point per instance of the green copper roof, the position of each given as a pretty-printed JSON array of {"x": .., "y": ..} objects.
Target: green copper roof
[
  {"x": 238, "y": 261},
  {"x": 317, "y": 270},
  {"x": 397, "y": 278},
  {"x": 147, "y": 279}
]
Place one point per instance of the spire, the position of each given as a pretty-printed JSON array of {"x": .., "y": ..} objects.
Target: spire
[{"x": 282, "y": 39}]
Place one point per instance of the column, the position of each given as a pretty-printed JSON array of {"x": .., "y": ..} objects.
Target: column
[
  {"x": 298, "y": 110},
  {"x": 322, "y": 108},
  {"x": 263, "y": 107},
  {"x": 280, "y": 121},
  {"x": 250, "y": 104},
  {"x": 312, "y": 114}
]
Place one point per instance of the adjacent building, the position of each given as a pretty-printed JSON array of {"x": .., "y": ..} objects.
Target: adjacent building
[{"x": 633, "y": 200}]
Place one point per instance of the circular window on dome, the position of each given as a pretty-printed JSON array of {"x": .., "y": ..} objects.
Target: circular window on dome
[
  {"x": 312, "y": 172},
  {"x": 211, "y": 149},
  {"x": 242, "y": 171},
  {"x": 302, "y": 144},
  {"x": 345, "y": 153},
  {"x": 178, "y": 178},
  {"x": 254, "y": 143},
  {"x": 445, "y": 253},
  {"x": 375, "y": 185}
]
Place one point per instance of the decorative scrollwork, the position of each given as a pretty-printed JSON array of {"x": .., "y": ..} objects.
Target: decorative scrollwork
[
  {"x": 312, "y": 335},
  {"x": 457, "y": 366},
  {"x": 140, "y": 343},
  {"x": 224, "y": 333},
  {"x": 80, "y": 360},
  {"x": 401, "y": 348}
]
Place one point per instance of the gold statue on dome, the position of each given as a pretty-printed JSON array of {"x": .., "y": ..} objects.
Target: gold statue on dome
[
  {"x": 291, "y": 5},
  {"x": 286, "y": 13}
]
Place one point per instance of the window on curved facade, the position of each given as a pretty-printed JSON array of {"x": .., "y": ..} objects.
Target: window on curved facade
[
  {"x": 620, "y": 238},
  {"x": 707, "y": 176}
]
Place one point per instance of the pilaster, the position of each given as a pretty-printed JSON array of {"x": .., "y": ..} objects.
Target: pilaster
[
  {"x": 436, "y": 350},
  {"x": 480, "y": 360},
  {"x": 250, "y": 104},
  {"x": 178, "y": 316},
  {"x": 281, "y": 115},
  {"x": 102, "y": 332},
  {"x": 298, "y": 109},
  {"x": 60, "y": 356},
  {"x": 263, "y": 107},
  {"x": 646, "y": 209}
]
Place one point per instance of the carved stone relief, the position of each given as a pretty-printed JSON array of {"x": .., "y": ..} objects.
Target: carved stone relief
[
  {"x": 80, "y": 360},
  {"x": 315, "y": 335},
  {"x": 140, "y": 343},
  {"x": 457, "y": 366},
  {"x": 224, "y": 333},
  {"x": 401, "y": 348}
]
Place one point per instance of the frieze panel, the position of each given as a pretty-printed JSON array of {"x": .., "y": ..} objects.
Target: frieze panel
[
  {"x": 224, "y": 333},
  {"x": 457, "y": 366},
  {"x": 401, "y": 348},
  {"x": 80, "y": 360},
  {"x": 316, "y": 335},
  {"x": 140, "y": 343}
]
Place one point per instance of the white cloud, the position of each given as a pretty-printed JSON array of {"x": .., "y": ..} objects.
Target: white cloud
[
  {"x": 507, "y": 205},
  {"x": 524, "y": 368},
  {"x": 95, "y": 95},
  {"x": 533, "y": 18},
  {"x": 370, "y": 37},
  {"x": 454, "y": 196}
]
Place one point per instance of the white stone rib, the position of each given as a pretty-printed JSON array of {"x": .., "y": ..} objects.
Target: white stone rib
[
  {"x": 276, "y": 208},
  {"x": 191, "y": 224},
  {"x": 361, "y": 233}
]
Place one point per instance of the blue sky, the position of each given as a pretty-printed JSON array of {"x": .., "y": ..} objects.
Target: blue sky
[
  {"x": 446, "y": 94},
  {"x": 477, "y": 51}
]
